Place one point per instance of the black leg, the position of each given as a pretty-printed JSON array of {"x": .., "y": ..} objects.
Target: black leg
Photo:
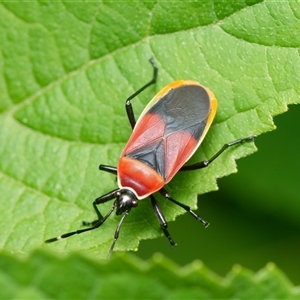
[
  {"x": 108, "y": 169},
  {"x": 205, "y": 163},
  {"x": 94, "y": 224},
  {"x": 162, "y": 220},
  {"x": 107, "y": 197},
  {"x": 185, "y": 207},
  {"x": 128, "y": 105}
]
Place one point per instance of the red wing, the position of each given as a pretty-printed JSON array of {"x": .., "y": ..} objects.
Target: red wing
[
  {"x": 150, "y": 129},
  {"x": 169, "y": 133}
]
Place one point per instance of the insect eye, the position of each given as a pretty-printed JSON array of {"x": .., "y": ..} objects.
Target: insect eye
[{"x": 134, "y": 203}]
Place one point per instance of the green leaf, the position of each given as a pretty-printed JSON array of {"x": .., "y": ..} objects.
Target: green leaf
[
  {"x": 43, "y": 276},
  {"x": 67, "y": 69}
]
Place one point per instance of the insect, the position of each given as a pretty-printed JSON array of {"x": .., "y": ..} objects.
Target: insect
[{"x": 167, "y": 133}]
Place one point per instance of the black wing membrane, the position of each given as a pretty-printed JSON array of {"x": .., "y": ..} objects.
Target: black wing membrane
[
  {"x": 183, "y": 108},
  {"x": 183, "y": 113}
]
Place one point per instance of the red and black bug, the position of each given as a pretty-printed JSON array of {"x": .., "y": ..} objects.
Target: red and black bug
[{"x": 166, "y": 135}]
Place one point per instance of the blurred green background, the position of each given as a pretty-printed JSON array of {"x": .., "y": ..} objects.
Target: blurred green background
[{"x": 255, "y": 214}]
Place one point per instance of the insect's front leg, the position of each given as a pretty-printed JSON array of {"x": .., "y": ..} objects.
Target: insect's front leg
[{"x": 102, "y": 199}]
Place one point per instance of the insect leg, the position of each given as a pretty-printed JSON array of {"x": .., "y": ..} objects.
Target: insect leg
[
  {"x": 100, "y": 200},
  {"x": 162, "y": 220},
  {"x": 205, "y": 163},
  {"x": 94, "y": 224},
  {"x": 108, "y": 169},
  {"x": 185, "y": 207},
  {"x": 128, "y": 106}
]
